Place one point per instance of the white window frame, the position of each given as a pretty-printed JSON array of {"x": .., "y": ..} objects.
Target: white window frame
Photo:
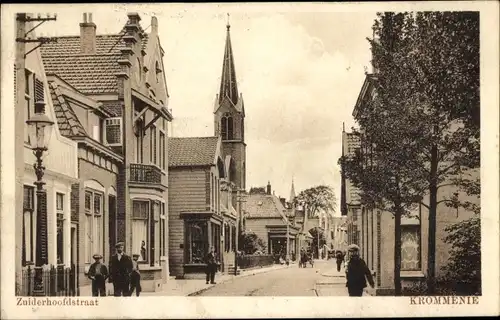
[
  {"x": 29, "y": 97},
  {"x": 105, "y": 135},
  {"x": 60, "y": 213},
  {"x": 90, "y": 213}
]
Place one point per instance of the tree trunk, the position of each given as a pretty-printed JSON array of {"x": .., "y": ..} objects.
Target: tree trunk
[
  {"x": 431, "y": 253},
  {"x": 397, "y": 251}
]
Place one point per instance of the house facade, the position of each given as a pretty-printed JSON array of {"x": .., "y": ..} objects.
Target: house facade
[
  {"x": 373, "y": 230},
  {"x": 111, "y": 98},
  {"x": 201, "y": 214},
  {"x": 266, "y": 216},
  {"x": 61, "y": 172}
]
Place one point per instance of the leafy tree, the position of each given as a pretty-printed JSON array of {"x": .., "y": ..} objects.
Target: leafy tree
[
  {"x": 387, "y": 168},
  {"x": 464, "y": 265},
  {"x": 257, "y": 190},
  {"x": 251, "y": 243},
  {"x": 316, "y": 199},
  {"x": 442, "y": 73}
]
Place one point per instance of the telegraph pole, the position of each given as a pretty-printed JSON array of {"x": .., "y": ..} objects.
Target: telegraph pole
[
  {"x": 239, "y": 200},
  {"x": 23, "y": 22}
]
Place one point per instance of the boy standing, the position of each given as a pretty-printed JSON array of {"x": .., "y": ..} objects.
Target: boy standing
[
  {"x": 98, "y": 273},
  {"x": 135, "y": 276}
]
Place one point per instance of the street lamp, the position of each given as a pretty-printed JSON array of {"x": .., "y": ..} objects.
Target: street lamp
[{"x": 39, "y": 130}]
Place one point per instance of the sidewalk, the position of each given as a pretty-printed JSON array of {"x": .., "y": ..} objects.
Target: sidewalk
[
  {"x": 196, "y": 286},
  {"x": 334, "y": 284}
]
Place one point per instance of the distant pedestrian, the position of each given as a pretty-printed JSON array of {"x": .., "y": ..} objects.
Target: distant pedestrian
[
  {"x": 357, "y": 273},
  {"x": 339, "y": 256},
  {"x": 211, "y": 266},
  {"x": 135, "y": 276},
  {"x": 98, "y": 273},
  {"x": 120, "y": 268}
]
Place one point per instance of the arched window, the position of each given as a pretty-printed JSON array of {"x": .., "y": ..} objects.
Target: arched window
[{"x": 226, "y": 124}]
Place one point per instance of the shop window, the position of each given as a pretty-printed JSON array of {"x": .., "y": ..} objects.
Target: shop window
[{"x": 196, "y": 241}]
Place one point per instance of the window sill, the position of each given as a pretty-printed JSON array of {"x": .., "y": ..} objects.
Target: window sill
[
  {"x": 412, "y": 274},
  {"x": 149, "y": 268}
]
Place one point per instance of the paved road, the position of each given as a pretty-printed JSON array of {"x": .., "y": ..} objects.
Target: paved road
[{"x": 291, "y": 281}]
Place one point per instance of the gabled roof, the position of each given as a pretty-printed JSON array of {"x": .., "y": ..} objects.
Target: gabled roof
[
  {"x": 88, "y": 73},
  {"x": 69, "y": 125},
  {"x": 192, "y": 151},
  {"x": 264, "y": 206}
]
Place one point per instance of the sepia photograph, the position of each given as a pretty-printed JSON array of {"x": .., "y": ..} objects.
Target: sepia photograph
[{"x": 171, "y": 152}]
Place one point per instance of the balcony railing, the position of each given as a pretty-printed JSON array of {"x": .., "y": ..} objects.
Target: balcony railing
[{"x": 144, "y": 173}]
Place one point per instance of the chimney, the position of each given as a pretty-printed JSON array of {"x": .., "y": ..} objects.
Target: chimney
[
  {"x": 87, "y": 34},
  {"x": 268, "y": 191},
  {"x": 154, "y": 24}
]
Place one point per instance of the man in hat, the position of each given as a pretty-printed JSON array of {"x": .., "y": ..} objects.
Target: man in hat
[
  {"x": 120, "y": 268},
  {"x": 135, "y": 277},
  {"x": 356, "y": 273},
  {"x": 98, "y": 273},
  {"x": 211, "y": 265}
]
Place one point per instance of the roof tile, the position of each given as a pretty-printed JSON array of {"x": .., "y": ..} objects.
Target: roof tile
[
  {"x": 192, "y": 151},
  {"x": 263, "y": 206},
  {"x": 67, "y": 121}
]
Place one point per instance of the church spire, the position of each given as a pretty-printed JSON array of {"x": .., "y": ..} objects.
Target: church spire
[
  {"x": 228, "y": 85},
  {"x": 292, "y": 192}
]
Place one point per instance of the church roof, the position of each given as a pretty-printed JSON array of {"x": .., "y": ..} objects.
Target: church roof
[
  {"x": 228, "y": 84},
  {"x": 192, "y": 151}
]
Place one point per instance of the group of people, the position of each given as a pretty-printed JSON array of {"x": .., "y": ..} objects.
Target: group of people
[
  {"x": 123, "y": 273},
  {"x": 305, "y": 256}
]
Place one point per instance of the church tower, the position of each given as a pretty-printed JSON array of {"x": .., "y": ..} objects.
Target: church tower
[{"x": 229, "y": 119}]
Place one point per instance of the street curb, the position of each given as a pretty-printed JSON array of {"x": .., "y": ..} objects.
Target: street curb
[{"x": 245, "y": 274}]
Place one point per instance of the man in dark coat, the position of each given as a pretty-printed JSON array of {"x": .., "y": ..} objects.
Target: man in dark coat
[
  {"x": 120, "y": 268},
  {"x": 339, "y": 256},
  {"x": 211, "y": 266},
  {"x": 357, "y": 272},
  {"x": 98, "y": 273}
]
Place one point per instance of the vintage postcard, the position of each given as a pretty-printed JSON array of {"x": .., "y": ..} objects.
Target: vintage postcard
[{"x": 249, "y": 160}]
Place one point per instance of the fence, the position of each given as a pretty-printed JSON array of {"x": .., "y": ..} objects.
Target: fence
[
  {"x": 250, "y": 261},
  {"x": 54, "y": 281}
]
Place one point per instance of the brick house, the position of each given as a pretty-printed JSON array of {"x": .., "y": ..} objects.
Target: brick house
[
  {"x": 111, "y": 98},
  {"x": 266, "y": 216},
  {"x": 61, "y": 170},
  {"x": 201, "y": 214},
  {"x": 373, "y": 230}
]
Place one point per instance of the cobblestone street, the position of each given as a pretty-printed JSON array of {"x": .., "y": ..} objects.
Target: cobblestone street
[{"x": 291, "y": 281}]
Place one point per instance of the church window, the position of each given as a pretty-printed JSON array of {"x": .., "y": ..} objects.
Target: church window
[{"x": 227, "y": 127}]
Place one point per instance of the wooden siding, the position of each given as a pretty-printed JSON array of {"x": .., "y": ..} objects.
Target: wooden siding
[
  {"x": 258, "y": 226},
  {"x": 186, "y": 192}
]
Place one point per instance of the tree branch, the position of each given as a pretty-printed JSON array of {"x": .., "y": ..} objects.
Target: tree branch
[{"x": 428, "y": 207}]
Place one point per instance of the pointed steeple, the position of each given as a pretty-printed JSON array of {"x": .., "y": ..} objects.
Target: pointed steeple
[
  {"x": 228, "y": 85},
  {"x": 292, "y": 192}
]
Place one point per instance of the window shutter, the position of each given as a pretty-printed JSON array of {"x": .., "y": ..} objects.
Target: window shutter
[
  {"x": 113, "y": 131},
  {"x": 39, "y": 91}
]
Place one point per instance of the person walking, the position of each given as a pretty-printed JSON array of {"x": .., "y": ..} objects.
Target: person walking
[
  {"x": 135, "y": 277},
  {"x": 339, "y": 259},
  {"x": 120, "y": 269},
  {"x": 357, "y": 273},
  {"x": 98, "y": 273},
  {"x": 211, "y": 266}
]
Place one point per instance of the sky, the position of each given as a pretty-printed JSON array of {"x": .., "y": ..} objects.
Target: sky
[{"x": 300, "y": 74}]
